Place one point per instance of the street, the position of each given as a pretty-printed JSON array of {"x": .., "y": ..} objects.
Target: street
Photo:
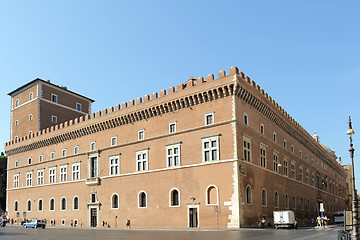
[{"x": 54, "y": 233}]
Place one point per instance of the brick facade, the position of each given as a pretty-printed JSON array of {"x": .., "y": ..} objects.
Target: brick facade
[{"x": 172, "y": 159}]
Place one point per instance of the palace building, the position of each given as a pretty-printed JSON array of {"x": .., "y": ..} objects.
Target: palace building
[{"x": 208, "y": 153}]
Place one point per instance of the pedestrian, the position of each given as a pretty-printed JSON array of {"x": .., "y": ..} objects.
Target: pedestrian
[
  {"x": 263, "y": 222},
  {"x": 318, "y": 221},
  {"x": 326, "y": 221},
  {"x": 128, "y": 223}
]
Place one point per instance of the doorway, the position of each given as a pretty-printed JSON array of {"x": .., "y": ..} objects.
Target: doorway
[
  {"x": 93, "y": 217},
  {"x": 193, "y": 217}
]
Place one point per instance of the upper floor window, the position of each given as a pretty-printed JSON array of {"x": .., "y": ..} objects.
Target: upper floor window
[
  {"x": 285, "y": 167},
  {"x": 210, "y": 148},
  {"x": 274, "y": 136},
  {"x": 113, "y": 141},
  {"x": 275, "y": 163},
  {"x": 41, "y": 158},
  {"x": 114, "y": 165},
  {"x": 307, "y": 176},
  {"x": 246, "y": 119},
  {"x": 29, "y": 179},
  {"x": 142, "y": 160},
  {"x": 93, "y": 146},
  {"x": 16, "y": 138},
  {"x": 292, "y": 166},
  {"x": 301, "y": 174},
  {"x": 30, "y": 117},
  {"x": 17, "y": 103},
  {"x": 54, "y": 119},
  {"x": 30, "y": 133},
  {"x": 29, "y": 160},
  {"x": 52, "y": 174},
  {"x": 31, "y": 96},
  {"x": 93, "y": 167},
  {"x": 300, "y": 154},
  {"x": 40, "y": 177},
  {"x": 76, "y": 171},
  {"x": 247, "y": 149},
  {"x": 141, "y": 134},
  {"x": 78, "y": 106},
  {"x": 172, "y": 127},
  {"x": 63, "y": 173},
  {"x": 284, "y": 144},
  {"x": 173, "y": 155},
  {"x": 16, "y": 180},
  {"x": 209, "y": 118},
  {"x": 292, "y": 148},
  {"x": 16, "y": 122},
  {"x": 262, "y": 156},
  {"x": 16, "y": 163},
  {"x": 76, "y": 150},
  {"x": 262, "y": 129},
  {"x": 54, "y": 98},
  {"x": 63, "y": 153},
  {"x": 52, "y": 155}
]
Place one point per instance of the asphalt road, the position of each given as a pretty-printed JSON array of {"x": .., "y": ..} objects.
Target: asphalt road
[{"x": 57, "y": 233}]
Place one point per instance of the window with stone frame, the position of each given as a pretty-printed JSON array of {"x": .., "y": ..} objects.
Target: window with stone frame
[
  {"x": 262, "y": 156},
  {"x": 275, "y": 162},
  {"x": 142, "y": 160},
  {"x": 210, "y": 147},
  {"x": 293, "y": 172},
  {"x": 247, "y": 149},
  {"x": 40, "y": 176},
  {"x": 285, "y": 167},
  {"x": 29, "y": 178},
  {"x": 301, "y": 178}
]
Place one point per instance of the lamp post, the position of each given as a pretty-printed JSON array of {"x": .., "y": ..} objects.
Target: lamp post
[{"x": 354, "y": 196}]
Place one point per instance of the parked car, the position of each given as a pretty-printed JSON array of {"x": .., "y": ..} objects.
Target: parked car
[{"x": 35, "y": 223}]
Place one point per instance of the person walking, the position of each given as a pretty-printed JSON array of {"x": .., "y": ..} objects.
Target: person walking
[
  {"x": 128, "y": 223},
  {"x": 263, "y": 222}
]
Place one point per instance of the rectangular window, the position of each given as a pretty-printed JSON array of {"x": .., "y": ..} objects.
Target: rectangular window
[
  {"x": 54, "y": 98},
  {"x": 63, "y": 173},
  {"x": 141, "y": 134},
  {"x": 52, "y": 155},
  {"x": 300, "y": 154},
  {"x": 31, "y": 96},
  {"x": 210, "y": 148},
  {"x": 247, "y": 149},
  {"x": 52, "y": 174},
  {"x": 172, "y": 127},
  {"x": 209, "y": 118},
  {"x": 41, "y": 158},
  {"x": 29, "y": 160},
  {"x": 30, "y": 117},
  {"x": 301, "y": 179},
  {"x": 274, "y": 137},
  {"x": 76, "y": 150},
  {"x": 113, "y": 141},
  {"x": 63, "y": 153},
  {"x": 307, "y": 176},
  {"x": 173, "y": 155},
  {"x": 75, "y": 171},
  {"x": 142, "y": 160},
  {"x": 262, "y": 156},
  {"x": 40, "y": 177},
  {"x": 16, "y": 180},
  {"x": 262, "y": 129},
  {"x": 17, "y": 103},
  {"x": 28, "y": 179},
  {"x": 78, "y": 106},
  {"x": 114, "y": 165},
  {"x": 285, "y": 167},
  {"x": 246, "y": 119},
  {"x": 275, "y": 163},
  {"x": 292, "y": 166},
  {"x": 313, "y": 180},
  {"x": 93, "y": 167},
  {"x": 16, "y": 122},
  {"x": 54, "y": 119},
  {"x": 284, "y": 144},
  {"x": 292, "y": 148}
]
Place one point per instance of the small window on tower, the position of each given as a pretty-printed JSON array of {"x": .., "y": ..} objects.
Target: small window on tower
[{"x": 54, "y": 98}]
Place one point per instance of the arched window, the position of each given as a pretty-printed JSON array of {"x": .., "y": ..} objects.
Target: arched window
[
  {"x": 29, "y": 205},
  {"x": 76, "y": 203},
  {"x": 248, "y": 195},
  {"x": 52, "y": 204},
  {"x": 286, "y": 201},
  {"x": 212, "y": 195},
  {"x": 40, "y": 205},
  {"x": 175, "y": 198},
  {"x": 142, "y": 200},
  {"x": 115, "y": 201},
  {"x": 263, "y": 197},
  {"x": 276, "y": 199},
  {"x": 63, "y": 204},
  {"x": 16, "y": 206}
]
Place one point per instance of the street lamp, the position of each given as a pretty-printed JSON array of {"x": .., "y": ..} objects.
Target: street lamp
[{"x": 354, "y": 195}]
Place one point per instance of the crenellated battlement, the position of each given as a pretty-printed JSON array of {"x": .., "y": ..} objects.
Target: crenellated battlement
[{"x": 127, "y": 107}]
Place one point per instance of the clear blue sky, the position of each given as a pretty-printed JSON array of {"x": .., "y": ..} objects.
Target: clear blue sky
[{"x": 305, "y": 54}]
